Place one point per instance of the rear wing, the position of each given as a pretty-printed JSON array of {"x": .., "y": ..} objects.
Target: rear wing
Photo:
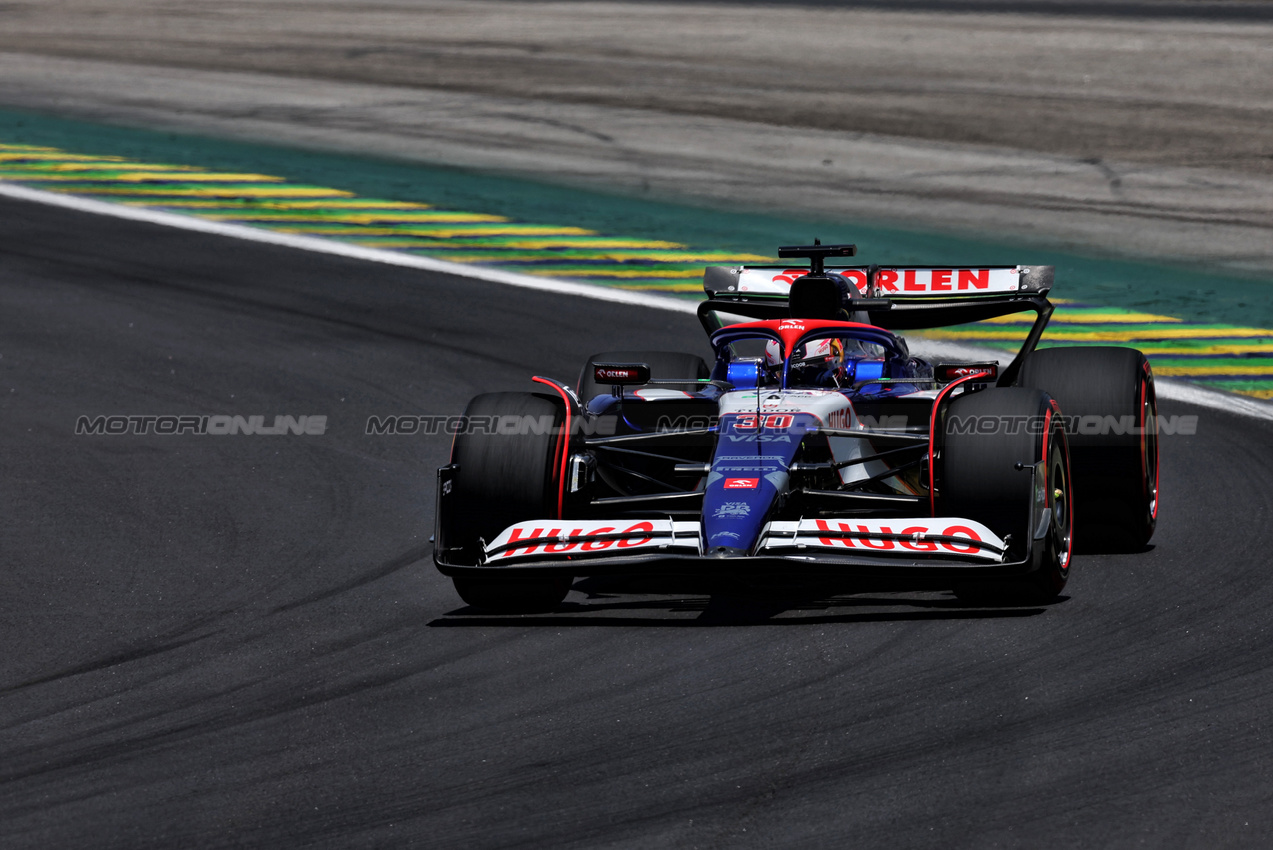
[
  {"x": 893, "y": 297},
  {"x": 884, "y": 281}
]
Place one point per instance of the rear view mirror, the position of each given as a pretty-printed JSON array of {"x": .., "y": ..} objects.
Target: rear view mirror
[
  {"x": 947, "y": 372},
  {"x": 620, "y": 374}
]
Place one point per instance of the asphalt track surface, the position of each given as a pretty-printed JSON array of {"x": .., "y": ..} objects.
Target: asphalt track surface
[
  {"x": 241, "y": 640},
  {"x": 1222, "y": 10}
]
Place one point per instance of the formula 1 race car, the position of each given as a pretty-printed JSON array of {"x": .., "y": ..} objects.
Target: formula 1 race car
[{"x": 814, "y": 448}]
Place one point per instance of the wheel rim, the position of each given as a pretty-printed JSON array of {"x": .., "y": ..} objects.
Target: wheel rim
[
  {"x": 1149, "y": 447},
  {"x": 1059, "y": 500}
]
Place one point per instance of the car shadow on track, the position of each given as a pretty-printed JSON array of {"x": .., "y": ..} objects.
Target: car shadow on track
[{"x": 611, "y": 603}]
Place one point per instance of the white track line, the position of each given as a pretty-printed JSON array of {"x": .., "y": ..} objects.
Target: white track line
[
  {"x": 341, "y": 249},
  {"x": 1241, "y": 405},
  {"x": 1167, "y": 388}
]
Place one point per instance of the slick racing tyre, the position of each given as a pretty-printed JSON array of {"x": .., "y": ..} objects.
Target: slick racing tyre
[
  {"x": 505, "y": 478},
  {"x": 986, "y": 476},
  {"x": 664, "y": 365},
  {"x": 1107, "y": 396}
]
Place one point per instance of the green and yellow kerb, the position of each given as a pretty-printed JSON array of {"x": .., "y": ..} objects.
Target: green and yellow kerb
[{"x": 1226, "y": 357}]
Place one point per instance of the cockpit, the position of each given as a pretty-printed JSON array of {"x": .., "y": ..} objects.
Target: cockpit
[{"x": 823, "y": 355}]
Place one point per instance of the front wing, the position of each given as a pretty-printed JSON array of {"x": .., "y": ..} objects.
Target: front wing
[{"x": 915, "y": 548}]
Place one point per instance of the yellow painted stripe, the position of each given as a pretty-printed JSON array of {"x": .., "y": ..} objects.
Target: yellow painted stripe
[
  {"x": 334, "y": 203},
  {"x": 1095, "y": 317},
  {"x": 422, "y": 244},
  {"x": 388, "y": 217},
  {"x": 1257, "y": 393},
  {"x": 410, "y": 244},
  {"x": 1119, "y": 336},
  {"x": 670, "y": 287},
  {"x": 215, "y": 192},
  {"x": 443, "y": 231},
  {"x": 141, "y": 177},
  {"x": 544, "y": 244}
]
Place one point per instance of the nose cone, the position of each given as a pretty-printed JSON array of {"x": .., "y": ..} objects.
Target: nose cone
[
  {"x": 749, "y": 476},
  {"x": 742, "y": 490},
  {"x": 735, "y": 507}
]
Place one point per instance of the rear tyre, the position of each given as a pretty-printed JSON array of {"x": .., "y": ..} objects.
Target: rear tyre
[
  {"x": 664, "y": 365},
  {"x": 980, "y": 480},
  {"x": 1103, "y": 390},
  {"x": 504, "y": 478}
]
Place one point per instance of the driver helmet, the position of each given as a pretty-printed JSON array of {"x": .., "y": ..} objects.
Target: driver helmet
[{"x": 826, "y": 349}]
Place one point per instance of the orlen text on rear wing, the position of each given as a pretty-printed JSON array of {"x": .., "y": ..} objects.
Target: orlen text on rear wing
[
  {"x": 884, "y": 281},
  {"x": 897, "y": 298}
]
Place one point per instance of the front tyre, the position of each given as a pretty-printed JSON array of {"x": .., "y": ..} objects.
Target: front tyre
[
  {"x": 1005, "y": 463},
  {"x": 508, "y": 457}
]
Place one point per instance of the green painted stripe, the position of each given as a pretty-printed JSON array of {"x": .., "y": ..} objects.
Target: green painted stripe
[
  {"x": 1241, "y": 386},
  {"x": 617, "y": 256},
  {"x": 665, "y": 286}
]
